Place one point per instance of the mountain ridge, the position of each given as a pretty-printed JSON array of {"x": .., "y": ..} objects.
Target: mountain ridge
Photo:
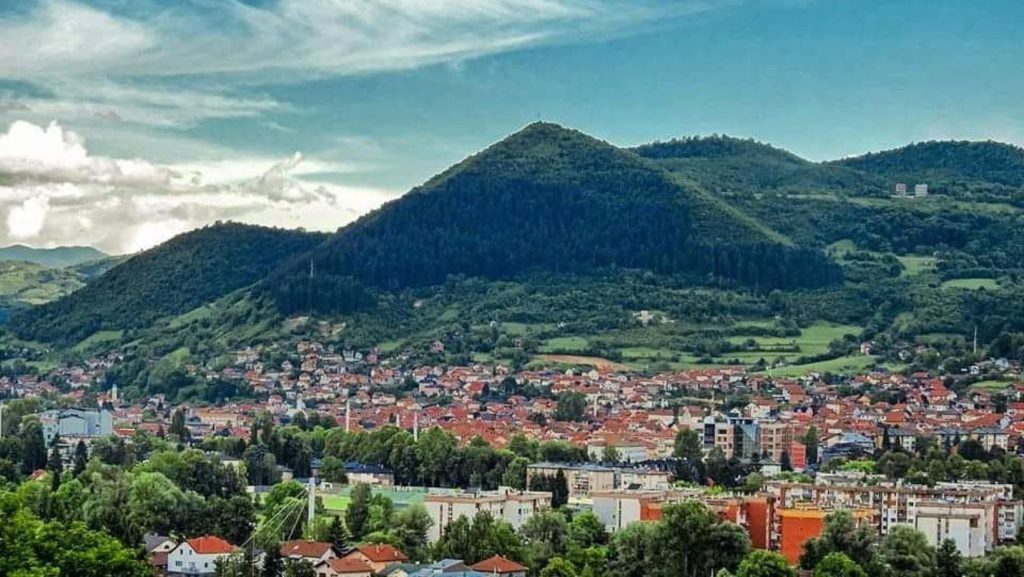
[
  {"x": 62, "y": 256},
  {"x": 544, "y": 198}
]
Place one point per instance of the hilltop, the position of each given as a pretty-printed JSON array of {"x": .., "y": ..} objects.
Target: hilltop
[
  {"x": 727, "y": 165},
  {"x": 52, "y": 257},
  {"x": 546, "y": 199},
  {"x": 954, "y": 167}
]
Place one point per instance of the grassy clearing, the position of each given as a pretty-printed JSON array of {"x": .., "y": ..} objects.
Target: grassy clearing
[
  {"x": 914, "y": 265},
  {"x": 576, "y": 360},
  {"x": 191, "y": 316},
  {"x": 99, "y": 340},
  {"x": 565, "y": 345},
  {"x": 336, "y": 502},
  {"x": 841, "y": 247},
  {"x": 971, "y": 284},
  {"x": 846, "y": 365},
  {"x": 992, "y": 386},
  {"x": 389, "y": 346}
]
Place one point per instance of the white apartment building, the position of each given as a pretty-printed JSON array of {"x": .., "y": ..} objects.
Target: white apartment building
[{"x": 511, "y": 505}]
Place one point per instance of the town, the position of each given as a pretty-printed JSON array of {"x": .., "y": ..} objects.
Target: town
[{"x": 774, "y": 456}]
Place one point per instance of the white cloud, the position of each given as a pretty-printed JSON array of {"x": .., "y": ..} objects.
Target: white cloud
[
  {"x": 100, "y": 64},
  {"x": 55, "y": 192},
  {"x": 25, "y": 220},
  {"x": 63, "y": 37},
  {"x": 53, "y": 153}
]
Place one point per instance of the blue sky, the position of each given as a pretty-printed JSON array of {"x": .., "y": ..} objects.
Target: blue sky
[{"x": 212, "y": 99}]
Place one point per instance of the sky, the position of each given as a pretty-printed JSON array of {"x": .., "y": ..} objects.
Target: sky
[{"x": 126, "y": 122}]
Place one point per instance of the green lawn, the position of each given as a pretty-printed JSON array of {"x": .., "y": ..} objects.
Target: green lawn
[
  {"x": 991, "y": 386},
  {"x": 915, "y": 265},
  {"x": 335, "y": 502},
  {"x": 97, "y": 341},
  {"x": 971, "y": 284},
  {"x": 850, "y": 364},
  {"x": 565, "y": 345}
]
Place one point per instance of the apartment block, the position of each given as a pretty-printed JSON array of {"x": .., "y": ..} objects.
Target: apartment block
[{"x": 516, "y": 507}]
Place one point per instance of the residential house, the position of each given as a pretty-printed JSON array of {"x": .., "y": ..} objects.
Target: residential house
[
  {"x": 312, "y": 551},
  {"x": 377, "y": 556},
  {"x": 500, "y": 566},
  {"x": 197, "y": 557},
  {"x": 344, "y": 567}
]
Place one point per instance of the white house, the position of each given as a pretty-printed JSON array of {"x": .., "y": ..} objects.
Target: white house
[{"x": 197, "y": 556}]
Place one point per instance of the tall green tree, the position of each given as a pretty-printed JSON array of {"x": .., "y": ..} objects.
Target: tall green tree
[
  {"x": 81, "y": 459},
  {"x": 810, "y": 441},
  {"x": 33, "y": 446},
  {"x": 178, "y": 426},
  {"x": 907, "y": 553},
  {"x": 948, "y": 560},
  {"x": 55, "y": 464},
  {"x": 838, "y": 565},
  {"x": 760, "y": 563},
  {"x": 357, "y": 515}
]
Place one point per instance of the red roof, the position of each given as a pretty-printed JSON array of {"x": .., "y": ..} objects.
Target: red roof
[
  {"x": 210, "y": 545},
  {"x": 158, "y": 560},
  {"x": 309, "y": 549},
  {"x": 349, "y": 565},
  {"x": 498, "y": 564},
  {"x": 382, "y": 553}
]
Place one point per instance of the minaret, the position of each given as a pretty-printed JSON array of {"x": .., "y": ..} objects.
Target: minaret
[
  {"x": 348, "y": 416},
  {"x": 113, "y": 395},
  {"x": 398, "y": 421},
  {"x": 415, "y": 426}
]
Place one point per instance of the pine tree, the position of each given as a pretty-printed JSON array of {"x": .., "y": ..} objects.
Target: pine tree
[
  {"x": 178, "y": 425},
  {"x": 336, "y": 534},
  {"x": 948, "y": 559},
  {"x": 81, "y": 458},
  {"x": 784, "y": 461},
  {"x": 559, "y": 490},
  {"x": 56, "y": 466}
]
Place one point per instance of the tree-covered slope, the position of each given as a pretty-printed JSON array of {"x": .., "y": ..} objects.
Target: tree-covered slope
[
  {"x": 175, "y": 277},
  {"x": 949, "y": 166},
  {"x": 545, "y": 199},
  {"x": 730, "y": 166},
  {"x": 51, "y": 257}
]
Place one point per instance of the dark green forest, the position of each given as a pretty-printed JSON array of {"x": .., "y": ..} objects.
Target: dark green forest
[
  {"x": 175, "y": 277},
  {"x": 552, "y": 200}
]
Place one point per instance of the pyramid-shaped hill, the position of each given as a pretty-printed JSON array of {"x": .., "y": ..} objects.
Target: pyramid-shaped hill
[{"x": 548, "y": 199}]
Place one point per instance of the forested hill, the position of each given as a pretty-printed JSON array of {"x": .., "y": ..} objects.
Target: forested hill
[
  {"x": 952, "y": 164},
  {"x": 175, "y": 277},
  {"x": 728, "y": 166},
  {"x": 545, "y": 199},
  {"x": 51, "y": 257}
]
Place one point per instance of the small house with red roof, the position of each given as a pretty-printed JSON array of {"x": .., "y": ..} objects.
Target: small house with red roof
[
  {"x": 377, "y": 556},
  {"x": 345, "y": 567},
  {"x": 312, "y": 551},
  {"x": 500, "y": 566}
]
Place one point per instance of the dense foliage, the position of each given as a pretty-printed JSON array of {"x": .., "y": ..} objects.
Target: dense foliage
[
  {"x": 953, "y": 167},
  {"x": 727, "y": 166},
  {"x": 544, "y": 199},
  {"x": 177, "y": 276}
]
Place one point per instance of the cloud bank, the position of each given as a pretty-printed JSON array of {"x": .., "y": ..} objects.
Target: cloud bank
[{"x": 53, "y": 191}]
